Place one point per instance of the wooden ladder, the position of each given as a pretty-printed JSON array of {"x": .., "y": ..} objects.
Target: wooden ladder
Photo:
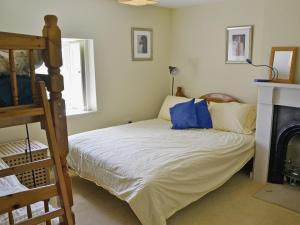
[{"x": 40, "y": 112}]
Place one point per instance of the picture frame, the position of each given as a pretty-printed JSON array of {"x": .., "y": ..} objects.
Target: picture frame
[
  {"x": 142, "y": 44},
  {"x": 239, "y": 44}
]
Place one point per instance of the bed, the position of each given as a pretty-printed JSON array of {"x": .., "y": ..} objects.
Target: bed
[
  {"x": 157, "y": 170},
  {"x": 23, "y": 100}
]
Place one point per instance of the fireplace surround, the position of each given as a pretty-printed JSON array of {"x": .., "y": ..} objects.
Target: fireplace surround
[{"x": 278, "y": 121}]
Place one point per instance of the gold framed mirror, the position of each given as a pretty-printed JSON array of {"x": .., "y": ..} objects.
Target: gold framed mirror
[{"x": 283, "y": 59}]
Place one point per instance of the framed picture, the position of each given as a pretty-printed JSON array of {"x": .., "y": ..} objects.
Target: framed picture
[
  {"x": 239, "y": 44},
  {"x": 142, "y": 44}
]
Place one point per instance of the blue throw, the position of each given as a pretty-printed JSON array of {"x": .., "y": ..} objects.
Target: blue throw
[{"x": 24, "y": 90}]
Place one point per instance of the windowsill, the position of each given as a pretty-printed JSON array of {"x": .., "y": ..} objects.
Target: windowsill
[{"x": 72, "y": 113}]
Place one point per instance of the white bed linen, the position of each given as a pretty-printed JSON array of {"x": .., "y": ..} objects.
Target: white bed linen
[
  {"x": 10, "y": 185},
  {"x": 157, "y": 170}
]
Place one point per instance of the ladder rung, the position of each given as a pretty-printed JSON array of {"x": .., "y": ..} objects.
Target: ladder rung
[
  {"x": 42, "y": 218},
  {"x": 44, "y": 163},
  {"x": 24, "y": 198}
]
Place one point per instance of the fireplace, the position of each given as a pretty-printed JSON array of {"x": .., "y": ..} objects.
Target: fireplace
[
  {"x": 285, "y": 146},
  {"x": 277, "y": 132}
]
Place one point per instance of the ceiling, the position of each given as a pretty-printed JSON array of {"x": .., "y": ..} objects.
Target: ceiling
[{"x": 184, "y": 3}]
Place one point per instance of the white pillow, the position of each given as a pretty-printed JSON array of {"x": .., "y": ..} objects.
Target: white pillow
[
  {"x": 169, "y": 102},
  {"x": 234, "y": 117}
]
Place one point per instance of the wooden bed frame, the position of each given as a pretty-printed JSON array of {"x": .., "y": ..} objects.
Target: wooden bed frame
[
  {"x": 50, "y": 45},
  {"x": 211, "y": 97}
]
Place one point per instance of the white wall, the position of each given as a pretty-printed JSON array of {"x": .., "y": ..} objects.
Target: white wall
[
  {"x": 129, "y": 90},
  {"x": 281, "y": 23},
  {"x": 126, "y": 90},
  {"x": 198, "y": 43}
]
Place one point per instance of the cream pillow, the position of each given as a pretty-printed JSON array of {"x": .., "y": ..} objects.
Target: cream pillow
[
  {"x": 234, "y": 117},
  {"x": 169, "y": 102}
]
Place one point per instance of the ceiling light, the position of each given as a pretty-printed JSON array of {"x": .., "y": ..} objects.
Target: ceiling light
[{"x": 138, "y": 2}]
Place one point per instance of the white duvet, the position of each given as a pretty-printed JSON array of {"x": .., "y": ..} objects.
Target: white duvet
[
  {"x": 10, "y": 185},
  {"x": 157, "y": 170}
]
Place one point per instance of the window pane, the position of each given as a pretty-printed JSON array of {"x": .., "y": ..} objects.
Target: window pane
[
  {"x": 78, "y": 70},
  {"x": 72, "y": 72}
]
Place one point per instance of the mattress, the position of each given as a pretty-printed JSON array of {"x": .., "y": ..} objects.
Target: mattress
[
  {"x": 157, "y": 170},
  {"x": 10, "y": 185}
]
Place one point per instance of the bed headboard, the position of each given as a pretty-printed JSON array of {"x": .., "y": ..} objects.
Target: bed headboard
[
  {"x": 219, "y": 98},
  {"x": 211, "y": 97}
]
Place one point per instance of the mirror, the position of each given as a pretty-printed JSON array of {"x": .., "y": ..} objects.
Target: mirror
[{"x": 284, "y": 60}]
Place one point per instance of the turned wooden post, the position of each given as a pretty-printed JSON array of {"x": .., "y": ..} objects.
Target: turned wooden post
[
  {"x": 53, "y": 60},
  {"x": 11, "y": 218},
  {"x": 13, "y": 78},
  {"x": 32, "y": 75}
]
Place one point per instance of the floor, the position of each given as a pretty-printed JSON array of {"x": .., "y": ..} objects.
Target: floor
[{"x": 232, "y": 204}]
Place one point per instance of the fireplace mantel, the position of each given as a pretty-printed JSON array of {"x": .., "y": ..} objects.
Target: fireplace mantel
[{"x": 270, "y": 94}]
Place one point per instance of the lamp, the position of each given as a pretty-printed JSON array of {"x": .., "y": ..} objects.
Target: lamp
[
  {"x": 174, "y": 71},
  {"x": 274, "y": 72},
  {"x": 138, "y": 2}
]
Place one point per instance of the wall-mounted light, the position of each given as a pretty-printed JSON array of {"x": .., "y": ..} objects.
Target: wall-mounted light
[
  {"x": 138, "y": 2},
  {"x": 274, "y": 72}
]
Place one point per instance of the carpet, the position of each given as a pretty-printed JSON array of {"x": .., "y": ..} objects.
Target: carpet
[{"x": 286, "y": 196}]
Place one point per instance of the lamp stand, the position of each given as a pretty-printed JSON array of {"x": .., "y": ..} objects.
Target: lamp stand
[{"x": 172, "y": 85}]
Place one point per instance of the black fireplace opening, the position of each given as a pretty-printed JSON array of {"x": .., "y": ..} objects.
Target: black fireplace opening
[
  {"x": 284, "y": 165},
  {"x": 292, "y": 162}
]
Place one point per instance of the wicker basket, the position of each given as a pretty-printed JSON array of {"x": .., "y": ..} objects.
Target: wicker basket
[{"x": 13, "y": 153}]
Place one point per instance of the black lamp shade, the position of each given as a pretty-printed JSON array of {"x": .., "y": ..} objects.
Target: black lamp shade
[{"x": 173, "y": 70}]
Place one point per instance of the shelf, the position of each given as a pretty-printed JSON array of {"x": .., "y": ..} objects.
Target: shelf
[{"x": 277, "y": 85}]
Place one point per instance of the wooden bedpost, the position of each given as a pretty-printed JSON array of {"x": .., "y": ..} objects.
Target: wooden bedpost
[{"x": 53, "y": 60}]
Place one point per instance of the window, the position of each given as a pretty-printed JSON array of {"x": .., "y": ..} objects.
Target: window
[{"x": 79, "y": 75}]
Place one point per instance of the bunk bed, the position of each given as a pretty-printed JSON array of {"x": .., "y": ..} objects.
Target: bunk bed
[{"x": 53, "y": 119}]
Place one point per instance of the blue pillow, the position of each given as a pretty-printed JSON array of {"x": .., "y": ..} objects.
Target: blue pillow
[
  {"x": 183, "y": 115},
  {"x": 203, "y": 115}
]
